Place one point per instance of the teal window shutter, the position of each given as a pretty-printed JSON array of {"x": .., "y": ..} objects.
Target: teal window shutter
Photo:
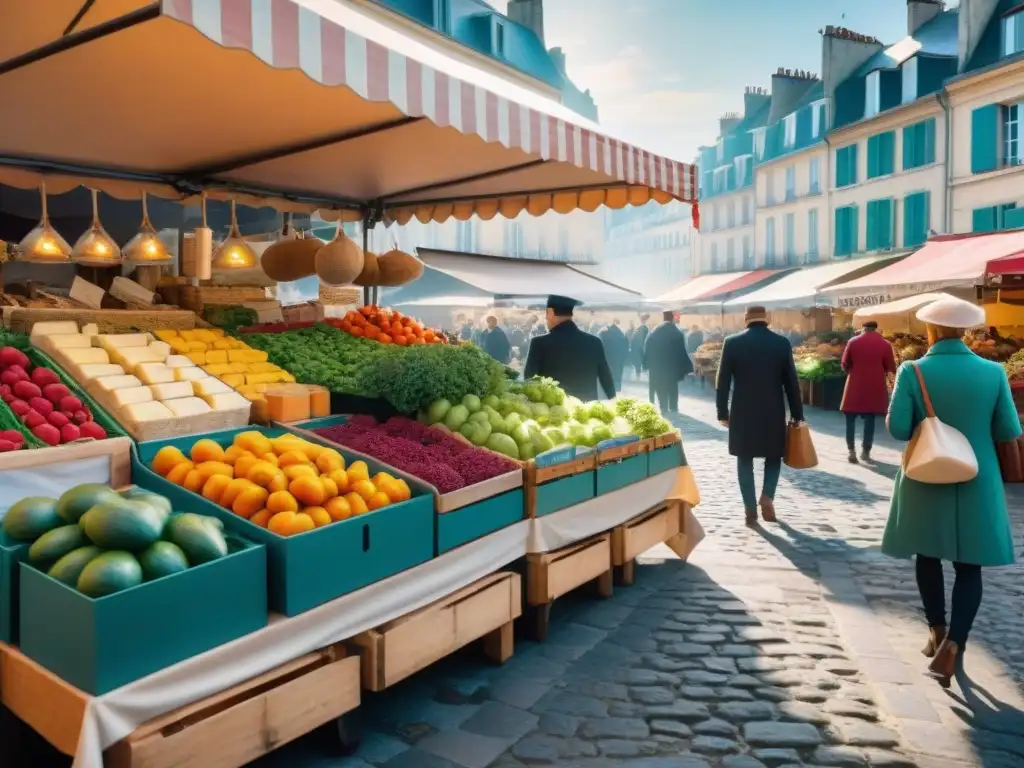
[
  {"x": 846, "y": 230},
  {"x": 916, "y": 219},
  {"x": 879, "y": 225},
  {"x": 872, "y": 214},
  {"x": 985, "y": 138},
  {"x": 846, "y": 166},
  {"x": 985, "y": 219},
  {"x": 887, "y": 149},
  {"x": 909, "y": 147},
  {"x": 873, "y": 148},
  {"x": 854, "y": 226},
  {"x": 840, "y": 234}
]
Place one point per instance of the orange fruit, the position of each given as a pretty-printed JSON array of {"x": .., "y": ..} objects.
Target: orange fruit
[
  {"x": 330, "y": 487},
  {"x": 318, "y": 515},
  {"x": 254, "y": 442},
  {"x": 292, "y": 456},
  {"x": 302, "y": 524},
  {"x": 364, "y": 488},
  {"x": 293, "y": 471},
  {"x": 401, "y": 341},
  {"x": 338, "y": 508},
  {"x": 356, "y": 504},
  {"x": 278, "y": 482},
  {"x": 233, "y": 453},
  {"x": 270, "y": 457},
  {"x": 340, "y": 478},
  {"x": 329, "y": 460},
  {"x": 210, "y": 468},
  {"x": 282, "y": 501},
  {"x": 262, "y": 472},
  {"x": 308, "y": 490},
  {"x": 215, "y": 487},
  {"x": 355, "y": 330},
  {"x": 234, "y": 488},
  {"x": 378, "y": 500},
  {"x": 357, "y": 470},
  {"x": 381, "y": 477},
  {"x": 250, "y": 501},
  {"x": 312, "y": 450},
  {"x": 180, "y": 471},
  {"x": 286, "y": 523},
  {"x": 207, "y": 450},
  {"x": 402, "y": 489},
  {"x": 261, "y": 518},
  {"x": 384, "y": 338},
  {"x": 244, "y": 463},
  {"x": 166, "y": 459},
  {"x": 194, "y": 481}
]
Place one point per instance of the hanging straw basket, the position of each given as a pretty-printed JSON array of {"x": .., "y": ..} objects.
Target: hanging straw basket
[{"x": 344, "y": 295}]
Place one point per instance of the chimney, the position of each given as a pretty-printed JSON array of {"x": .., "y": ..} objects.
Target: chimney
[
  {"x": 921, "y": 11},
  {"x": 974, "y": 18},
  {"x": 727, "y": 122},
  {"x": 842, "y": 52},
  {"x": 558, "y": 58},
  {"x": 529, "y": 13},
  {"x": 788, "y": 87},
  {"x": 754, "y": 98}
]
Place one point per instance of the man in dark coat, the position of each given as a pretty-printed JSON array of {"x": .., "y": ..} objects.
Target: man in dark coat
[
  {"x": 757, "y": 368},
  {"x": 636, "y": 346},
  {"x": 616, "y": 349},
  {"x": 694, "y": 339},
  {"x": 518, "y": 340},
  {"x": 574, "y": 359},
  {"x": 666, "y": 361},
  {"x": 494, "y": 342}
]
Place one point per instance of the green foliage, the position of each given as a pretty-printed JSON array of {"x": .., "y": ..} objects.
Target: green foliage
[
  {"x": 9, "y": 338},
  {"x": 813, "y": 368}
]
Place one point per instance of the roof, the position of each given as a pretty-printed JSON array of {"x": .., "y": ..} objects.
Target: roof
[
  {"x": 739, "y": 283},
  {"x": 697, "y": 286},
  {"x": 799, "y": 289},
  {"x": 937, "y": 37},
  {"x": 900, "y": 306},
  {"x": 815, "y": 93},
  {"x": 755, "y": 120}
]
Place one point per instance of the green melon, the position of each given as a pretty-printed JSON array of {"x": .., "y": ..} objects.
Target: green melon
[
  {"x": 70, "y": 567},
  {"x": 109, "y": 573},
  {"x": 199, "y": 536},
  {"x": 76, "y": 501},
  {"x": 162, "y": 559},
  {"x": 30, "y": 518},
  {"x": 161, "y": 503},
  {"x": 123, "y": 524},
  {"x": 53, "y": 545}
]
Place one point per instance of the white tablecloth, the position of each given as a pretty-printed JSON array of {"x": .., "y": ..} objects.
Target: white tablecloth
[{"x": 114, "y": 715}]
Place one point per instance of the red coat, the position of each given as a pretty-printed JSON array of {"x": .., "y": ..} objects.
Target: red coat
[{"x": 867, "y": 360}]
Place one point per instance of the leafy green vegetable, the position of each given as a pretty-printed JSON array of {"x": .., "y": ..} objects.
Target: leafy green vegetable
[
  {"x": 813, "y": 368},
  {"x": 9, "y": 338}
]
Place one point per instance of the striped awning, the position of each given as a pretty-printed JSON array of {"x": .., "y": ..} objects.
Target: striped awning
[{"x": 334, "y": 105}]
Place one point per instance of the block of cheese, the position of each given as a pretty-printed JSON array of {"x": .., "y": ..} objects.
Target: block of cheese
[
  {"x": 209, "y": 386},
  {"x": 54, "y": 328},
  {"x": 216, "y": 356},
  {"x": 189, "y": 374},
  {"x": 226, "y": 401},
  {"x": 68, "y": 341},
  {"x": 85, "y": 356},
  {"x": 123, "y": 397},
  {"x": 171, "y": 391},
  {"x": 90, "y": 329},
  {"x": 166, "y": 335},
  {"x": 122, "y": 381},
  {"x": 187, "y": 406},
  {"x": 154, "y": 373},
  {"x": 98, "y": 370},
  {"x": 288, "y": 402},
  {"x": 122, "y": 340},
  {"x": 132, "y": 357},
  {"x": 319, "y": 401},
  {"x": 234, "y": 379},
  {"x": 160, "y": 347},
  {"x": 178, "y": 361},
  {"x": 148, "y": 411}
]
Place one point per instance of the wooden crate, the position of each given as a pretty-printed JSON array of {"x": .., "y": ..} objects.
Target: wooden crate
[
  {"x": 484, "y": 609},
  {"x": 117, "y": 449},
  {"x": 226, "y": 730},
  {"x": 536, "y": 476},
  {"x": 667, "y": 439},
  {"x": 638, "y": 535},
  {"x": 550, "y": 575},
  {"x": 108, "y": 320},
  {"x": 195, "y": 297}
]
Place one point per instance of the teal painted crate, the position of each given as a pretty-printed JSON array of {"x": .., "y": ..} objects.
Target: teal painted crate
[
  {"x": 99, "y": 644},
  {"x": 315, "y": 567},
  {"x": 618, "y": 474},
  {"x": 663, "y": 459},
  {"x": 564, "y": 492},
  {"x": 11, "y": 554}
]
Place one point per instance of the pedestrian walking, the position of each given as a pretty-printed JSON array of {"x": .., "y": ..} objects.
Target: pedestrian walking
[
  {"x": 517, "y": 338},
  {"x": 569, "y": 355},
  {"x": 694, "y": 339},
  {"x": 636, "y": 346},
  {"x": 868, "y": 361},
  {"x": 965, "y": 523},
  {"x": 757, "y": 369},
  {"x": 666, "y": 362},
  {"x": 616, "y": 349},
  {"x": 495, "y": 343}
]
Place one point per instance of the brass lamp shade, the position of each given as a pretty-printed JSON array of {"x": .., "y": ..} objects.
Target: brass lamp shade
[
  {"x": 44, "y": 245},
  {"x": 95, "y": 248},
  {"x": 146, "y": 248},
  {"x": 234, "y": 252}
]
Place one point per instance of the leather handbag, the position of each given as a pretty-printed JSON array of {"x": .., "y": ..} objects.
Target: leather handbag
[
  {"x": 800, "y": 453},
  {"x": 937, "y": 453}
]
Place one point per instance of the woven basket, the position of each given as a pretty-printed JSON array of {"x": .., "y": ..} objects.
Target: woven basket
[
  {"x": 196, "y": 297},
  {"x": 344, "y": 295},
  {"x": 109, "y": 320}
]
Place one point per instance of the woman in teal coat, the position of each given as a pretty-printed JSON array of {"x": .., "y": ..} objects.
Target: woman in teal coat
[{"x": 965, "y": 523}]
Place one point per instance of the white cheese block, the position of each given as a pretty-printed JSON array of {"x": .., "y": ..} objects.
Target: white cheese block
[
  {"x": 154, "y": 373},
  {"x": 85, "y": 356},
  {"x": 54, "y": 328},
  {"x": 90, "y": 329},
  {"x": 162, "y": 348},
  {"x": 178, "y": 361},
  {"x": 98, "y": 370},
  {"x": 123, "y": 397},
  {"x": 228, "y": 401},
  {"x": 171, "y": 391},
  {"x": 67, "y": 341},
  {"x": 194, "y": 373},
  {"x": 131, "y": 357},
  {"x": 123, "y": 381},
  {"x": 148, "y": 411},
  {"x": 210, "y": 386},
  {"x": 122, "y": 340},
  {"x": 187, "y": 406}
]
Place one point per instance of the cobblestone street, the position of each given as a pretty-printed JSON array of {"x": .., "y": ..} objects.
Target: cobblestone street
[{"x": 791, "y": 644}]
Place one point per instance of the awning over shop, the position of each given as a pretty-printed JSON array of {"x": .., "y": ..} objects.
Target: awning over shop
[
  {"x": 303, "y": 104},
  {"x": 799, "y": 289},
  {"x": 698, "y": 286},
  {"x": 454, "y": 302},
  {"x": 946, "y": 260},
  {"x": 902, "y": 306},
  {"x": 737, "y": 284}
]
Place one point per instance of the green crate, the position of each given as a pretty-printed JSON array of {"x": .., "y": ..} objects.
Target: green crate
[
  {"x": 11, "y": 554},
  {"x": 663, "y": 459},
  {"x": 618, "y": 474}
]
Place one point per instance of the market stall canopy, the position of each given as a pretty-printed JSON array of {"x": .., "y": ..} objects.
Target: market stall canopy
[
  {"x": 696, "y": 287},
  {"x": 302, "y": 104},
  {"x": 799, "y": 289},
  {"x": 901, "y": 306},
  {"x": 455, "y": 302},
  {"x": 946, "y": 260},
  {"x": 707, "y": 292}
]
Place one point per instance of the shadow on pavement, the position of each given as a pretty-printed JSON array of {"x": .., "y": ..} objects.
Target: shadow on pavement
[
  {"x": 827, "y": 485},
  {"x": 997, "y": 728}
]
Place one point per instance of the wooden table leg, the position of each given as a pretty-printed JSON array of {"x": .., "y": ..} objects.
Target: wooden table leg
[
  {"x": 605, "y": 583},
  {"x": 627, "y": 573},
  {"x": 499, "y": 644},
  {"x": 537, "y": 621}
]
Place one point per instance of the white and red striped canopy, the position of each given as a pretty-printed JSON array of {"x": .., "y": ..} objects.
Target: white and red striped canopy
[{"x": 303, "y": 103}]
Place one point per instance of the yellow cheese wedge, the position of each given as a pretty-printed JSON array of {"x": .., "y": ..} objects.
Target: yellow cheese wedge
[
  {"x": 85, "y": 356},
  {"x": 67, "y": 341},
  {"x": 178, "y": 361},
  {"x": 166, "y": 335},
  {"x": 131, "y": 357},
  {"x": 176, "y": 389},
  {"x": 187, "y": 406},
  {"x": 148, "y": 411},
  {"x": 97, "y": 370},
  {"x": 90, "y": 329},
  {"x": 162, "y": 348},
  {"x": 180, "y": 346},
  {"x": 123, "y": 381},
  {"x": 123, "y": 397},
  {"x": 154, "y": 373},
  {"x": 209, "y": 386},
  {"x": 217, "y": 356},
  {"x": 227, "y": 401},
  {"x": 54, "y": 328},
  {"x": 189, "y": 374},
  {"x": 110, "y": 341}
]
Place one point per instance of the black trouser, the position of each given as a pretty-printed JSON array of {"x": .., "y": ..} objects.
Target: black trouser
[
  {"x": 869, "y": 430},
  {"x": 667, "y": 394},
  {"x": 966, "y": 596},
  {"x": 617, "y": 377}
]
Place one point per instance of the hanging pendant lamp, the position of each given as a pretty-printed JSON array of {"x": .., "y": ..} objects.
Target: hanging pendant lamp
[
  {"x": 44, "y": 245},
  {"x": 146, "y": 248},
  {"x": 234, "y": 252},
  {"x": 95, "y": 248}
]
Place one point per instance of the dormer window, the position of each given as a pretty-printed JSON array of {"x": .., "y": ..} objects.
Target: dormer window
[
  {"x": 909, "y": 73},
  {"x": 759, "y": 143},
  {"x": 498, "y": 40},
  {"x": 817, "y": 118},
  {"x": 789, "y": 127},
  {"x": 872, "y": 94},
  {"x": 1013, "y": 33}
]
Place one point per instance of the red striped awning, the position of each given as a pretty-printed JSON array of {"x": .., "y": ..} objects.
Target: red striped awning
[{"x": 741, "y": 282}]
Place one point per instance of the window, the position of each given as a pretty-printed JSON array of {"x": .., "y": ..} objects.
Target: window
[
  {"x": 1011, "y": 130},
  {"x": 812, "y": 235},
  {"x": 743, "y": 167},
  {"x": 789, "y": 238},
  {"x": 880, "y": 225},
  {"x": 1013, "y": 34},
  {"x": 997, "y": 217},
  {"x": 769, "y": 242},
  {"x": 985, "y": 138},
  {"x": 789, "y": 126},
  {"x": 748, "y": 257},
  {"x": 909, "y": 73},
  {"x": 791, "y": 183},
  {"x": 730, "y": 255},
  {"x": 814, "y": 176},
  {"x": 759, "y": 135},
  {"x": 817, "y": 118},
  {"x": 846, "y": 166},
  {"x": 916, "y": 217},
  {"x": 748, "y": 210},
  {"x": 730, "y": 214},
  {"x": 769, "y": 183},
  {"x": 714, "y": 257},
  {"x": 872, "y": 94},
  {"x": 499, "y": 39},
  {"x": 919, "y": 144},
  {"x": 846, "y": 231},
  {"x": 881, "y": 151}
]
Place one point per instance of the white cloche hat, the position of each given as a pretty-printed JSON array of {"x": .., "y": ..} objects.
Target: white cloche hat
[{"x": 952, "y": 313}]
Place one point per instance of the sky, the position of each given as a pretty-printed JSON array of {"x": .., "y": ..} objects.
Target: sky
[{"x": 663, "y": 71}]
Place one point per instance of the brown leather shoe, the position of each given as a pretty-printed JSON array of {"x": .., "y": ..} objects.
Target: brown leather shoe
[
  {"x": 943, "y": 666},
  {"x": 751, "y": 518},
  {"x": 767, "y": 509},
  {"x": 935, "y": 637}
]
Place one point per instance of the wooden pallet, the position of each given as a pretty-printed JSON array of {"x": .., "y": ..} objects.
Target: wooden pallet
[
  {"x": 486, "y": 609},
  {"x": 636, "y": 536},
  {"x": 226, "y": 730},
  {"x": 550, "y": 575}
]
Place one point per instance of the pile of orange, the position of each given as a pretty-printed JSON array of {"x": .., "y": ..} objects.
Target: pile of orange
[
  {"x": 388, "y": 327},
  {"x": 285, "y": 484}
]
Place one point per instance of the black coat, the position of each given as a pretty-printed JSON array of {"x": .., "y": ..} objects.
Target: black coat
[
  {"x": 693, "y": 340},
  {"x": 494, "y": 342},
  {"x": 757, "y": 366},
  {"x": 574, "y": 359},
  {"x": 616, "y": 347},
  {"x": 665, "y": 354},
  {"x": 636, "y": 345}
]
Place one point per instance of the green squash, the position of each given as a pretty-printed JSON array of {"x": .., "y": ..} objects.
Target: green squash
[
  {"x": 160, "y": 503},
  {"x": 76, "y": 501},
  {"x": 53, "y": 545},
  {"x": 200, "y": 537},
  {"x": 30, "y": 518},
  {"x": 109, "y": 573},
  {"x": 69, "y": 568},
  {"x": 162, "y": 559},
  {"x": 130, "y": 524}
]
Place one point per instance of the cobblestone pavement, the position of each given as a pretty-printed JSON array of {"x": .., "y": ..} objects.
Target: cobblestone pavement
[{"x": 792, "y": 644}]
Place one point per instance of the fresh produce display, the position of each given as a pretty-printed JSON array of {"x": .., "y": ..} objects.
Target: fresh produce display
[
  {"x": 9, "y": 338},
  {"x": 100, "y": 541},
  {"x": 429, "y": 453},
  {"x": 708, "y": 355},
  {"x": 44, "y": 405},
  {"x": 1015, "y": 366},
  {"x": 818, "y": 359},
  {"x": 285, "y": 484},
  {"x": 907, "y": 346},
  {"x": 386, "y": 326},
  {"x": 991, "y": 346}
]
